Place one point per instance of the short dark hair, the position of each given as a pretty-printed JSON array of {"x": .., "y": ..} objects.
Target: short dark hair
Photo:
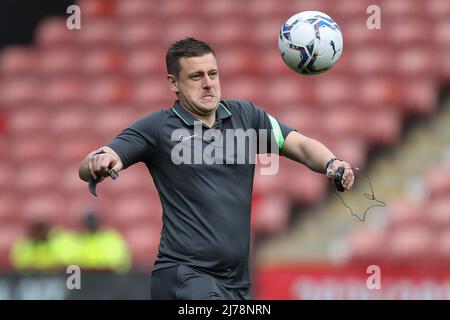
[{"x": 188, "y": 47}]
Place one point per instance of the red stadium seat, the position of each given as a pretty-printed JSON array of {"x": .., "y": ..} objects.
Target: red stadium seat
[
  {"x": 439, "y": 212},
  {"x": 378, "y": 91},
  {"x": 71, "y": 122},
  {"x": 104, "y": 92},
  {"x": 20, "y": 91},
  {"x": 365, "y": 245},
  {"x": 411, "y": 30},
  {"x": 370, "y": 60},
  {"x": 334, "y": 90},
  {"x": 216, "y": 9},
  {"x": 179, "y": 9},
  {"x": 271, "y": 214},
  {"x": 437, "y": 9},
  {"x": 443, "y": 246},
  {"x": 54, "y": 61},
  {"x": 417, "y": 62},
  {"x": 145, "y": 62},
  {"x": 9, "y": 204},
  {"x": 101, "y": 62},
  {"x": 64, "y": 90},
  {"x": 37, "y": 176},
  {"x": 136, "y": 9},
  {"x": 143, "y": 242},
  {"x": 75, "y": 148},
  {"x": 183, "y": 27},
  {"x": 49, "y": 206},
  {"x": 28, "y": 121},
  {"x": 419, "y": 97},
  {"x": 9, "y": 234},
  {"x": 150, "y": 92},
  {"x": 53, "y": 32},
  {"x": 97, "y": 8},
  {"x": 32, "y": 148},
  {"x": 403, "y": 212},
  {"x": 382, "y": 127},
  {"x": 437, "y": 182},
  {"x": 144, "y": 32},
  {"x": 18, "y": 61},
  {"x": 411, "y": 244},
  {"x": 136, "y": 208},
  {"x": 98, "y": 32}
]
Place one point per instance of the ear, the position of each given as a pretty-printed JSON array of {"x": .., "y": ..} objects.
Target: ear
[{"x": 172, "y": 83}]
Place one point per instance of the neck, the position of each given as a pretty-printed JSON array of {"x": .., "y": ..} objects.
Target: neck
[{"x": 207, "y": 119}]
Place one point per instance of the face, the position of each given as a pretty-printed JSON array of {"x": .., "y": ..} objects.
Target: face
[{"x": 197, "y": 86}]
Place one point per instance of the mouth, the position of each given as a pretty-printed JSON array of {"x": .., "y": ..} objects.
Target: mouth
[{"x": 207, "y": 97}]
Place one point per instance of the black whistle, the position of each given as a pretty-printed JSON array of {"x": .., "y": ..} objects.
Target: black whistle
[
  {"x": 93, "y": 182},
  {"x": 338, "y": 179}
]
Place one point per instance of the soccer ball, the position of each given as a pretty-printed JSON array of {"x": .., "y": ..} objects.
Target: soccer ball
[{"x": 310, "y": 42}]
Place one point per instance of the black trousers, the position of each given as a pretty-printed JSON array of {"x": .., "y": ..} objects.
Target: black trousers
[{"x": 183, "y": 283}]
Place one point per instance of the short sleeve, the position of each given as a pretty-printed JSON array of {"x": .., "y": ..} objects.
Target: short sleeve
[
  {"x": 138, "y": 142},
  {"x": 277, "y": 132}
]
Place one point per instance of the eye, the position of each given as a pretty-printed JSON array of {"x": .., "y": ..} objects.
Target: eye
[
  {"x": 213, "y": 74},
  {"x": 195, "y": 77}
]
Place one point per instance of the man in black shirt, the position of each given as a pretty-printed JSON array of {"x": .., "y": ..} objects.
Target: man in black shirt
[{"x": 201, "y": 155}]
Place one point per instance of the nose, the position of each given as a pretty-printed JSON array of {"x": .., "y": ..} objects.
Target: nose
[{"x": 208, "y": 82}]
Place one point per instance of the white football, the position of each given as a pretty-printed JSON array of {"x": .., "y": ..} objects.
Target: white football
[{"x": 310, "y": 42}]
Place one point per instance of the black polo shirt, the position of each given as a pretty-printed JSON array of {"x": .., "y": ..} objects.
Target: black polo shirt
[{"x": 203, "y": 182}]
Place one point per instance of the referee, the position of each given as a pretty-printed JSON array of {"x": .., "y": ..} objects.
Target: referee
[{"x": 205, "y": 240}]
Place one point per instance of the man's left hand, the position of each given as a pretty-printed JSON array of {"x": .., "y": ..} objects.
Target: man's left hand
[{"x": 349, "y": 178}]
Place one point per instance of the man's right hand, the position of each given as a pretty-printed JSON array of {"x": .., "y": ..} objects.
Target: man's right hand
[{"x": 98, "y": 165}]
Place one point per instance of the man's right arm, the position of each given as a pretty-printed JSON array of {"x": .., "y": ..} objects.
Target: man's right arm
[{"x": 99, "y": 164}]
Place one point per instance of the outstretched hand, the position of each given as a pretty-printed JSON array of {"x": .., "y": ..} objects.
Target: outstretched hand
[{"x": 348, "y": 177}]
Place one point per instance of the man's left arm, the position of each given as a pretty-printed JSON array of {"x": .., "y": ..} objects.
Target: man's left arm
[{"x": 314, "y": 155}]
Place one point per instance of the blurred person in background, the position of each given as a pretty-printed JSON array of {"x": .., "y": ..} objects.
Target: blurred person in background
[
  {"x": 37, "y": 251},
  {"x": 100, "y": 248},
  {"x": 205, "y": 241}
]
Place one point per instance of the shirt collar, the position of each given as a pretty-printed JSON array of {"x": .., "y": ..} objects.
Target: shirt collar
[{"x": 222, "y": 112}]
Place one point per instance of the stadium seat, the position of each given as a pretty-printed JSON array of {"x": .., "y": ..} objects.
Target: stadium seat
[
  {"x": 270, "y": 215},
  {"x": 101, "y": 62},
  {"x": 403, "y": 212},
  {"x": 19, "y": 91},
  {"x": 144, "y": 62},
  {"x": 107, "y": 91},
  {"x": 35, "y": 176},
  {"x": 437, "y": 182},
  {"x": 31, "y": 148},
  {"x": 419, "y": 96},
  {"x": 150, "y": 92},
  {"x": 98, "y": 8},
  {"x": 443, "y": 246},
  {"x": 366, "y": 245},
  {"x": 64, "y": 90},
  {"x": 53, "y": 32},
  {"x": 141, "y": 32},
  {"x": 439, "y": 212},
  {"x": 15, "y": 61},
  {"x": 131, "y": 10},
  {"x": 59, "y": 61},
  {"x": 411, "y": 244},
  {"x": 9, "y": 234},
  {"x": 143, "y": 242},
  {"x": 71, "y": 122},
  {"x": 49, "y": 206},
  {"x": 73, "y": 149},
  {"x": 382, "y": 127},
  {"x": 98, "y": 32},
  {"x": 9, "y": 203},
  {"x": 136, "y": 208},
  {"x": 27, "y": 121}
]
